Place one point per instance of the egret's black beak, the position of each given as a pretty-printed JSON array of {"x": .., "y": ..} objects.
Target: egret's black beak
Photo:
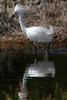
[{"x": 12, "y": 16}]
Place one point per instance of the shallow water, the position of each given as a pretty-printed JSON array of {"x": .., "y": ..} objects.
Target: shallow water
[
  {"x": 47, "y": 80},
  {"x": 21, "y": 75}
]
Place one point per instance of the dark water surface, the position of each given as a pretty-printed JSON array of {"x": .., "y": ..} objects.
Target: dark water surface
[{"x": 38, "y": 80}]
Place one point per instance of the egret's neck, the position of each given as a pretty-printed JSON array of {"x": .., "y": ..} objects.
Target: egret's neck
[{"x": 23, "y": 28}]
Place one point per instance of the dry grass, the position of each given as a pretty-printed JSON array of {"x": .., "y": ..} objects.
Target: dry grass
[{"x": 48, "y": 13}]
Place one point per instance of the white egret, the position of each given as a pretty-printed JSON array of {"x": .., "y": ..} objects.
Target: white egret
[{"x": 35, "y": 33}]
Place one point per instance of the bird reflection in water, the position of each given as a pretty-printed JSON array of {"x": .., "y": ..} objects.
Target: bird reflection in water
[{"x": 41, "y": 69}]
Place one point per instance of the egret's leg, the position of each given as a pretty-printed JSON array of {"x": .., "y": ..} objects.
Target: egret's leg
[
  {"x": 48, "y": 47},
  {"x": 35, "y": 45},
  {"x": 48, "y": 50}
]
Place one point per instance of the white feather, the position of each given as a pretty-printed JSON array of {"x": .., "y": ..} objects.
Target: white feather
[
  {"x": 35, "y": 33},
  {"x": 40, "y": 34}
]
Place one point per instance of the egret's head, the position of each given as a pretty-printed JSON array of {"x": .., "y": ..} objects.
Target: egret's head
[{"x": 19, "y": 10}]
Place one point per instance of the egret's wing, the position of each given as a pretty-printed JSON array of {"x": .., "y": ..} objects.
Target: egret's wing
[
  {"x": 45, "y": 30},
  {"x": 39, "y": 34}
]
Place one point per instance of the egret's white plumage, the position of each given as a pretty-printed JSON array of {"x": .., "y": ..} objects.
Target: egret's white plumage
[
  {"x": 35, "y": 33},
  {"x": 40, "y": 34}
]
